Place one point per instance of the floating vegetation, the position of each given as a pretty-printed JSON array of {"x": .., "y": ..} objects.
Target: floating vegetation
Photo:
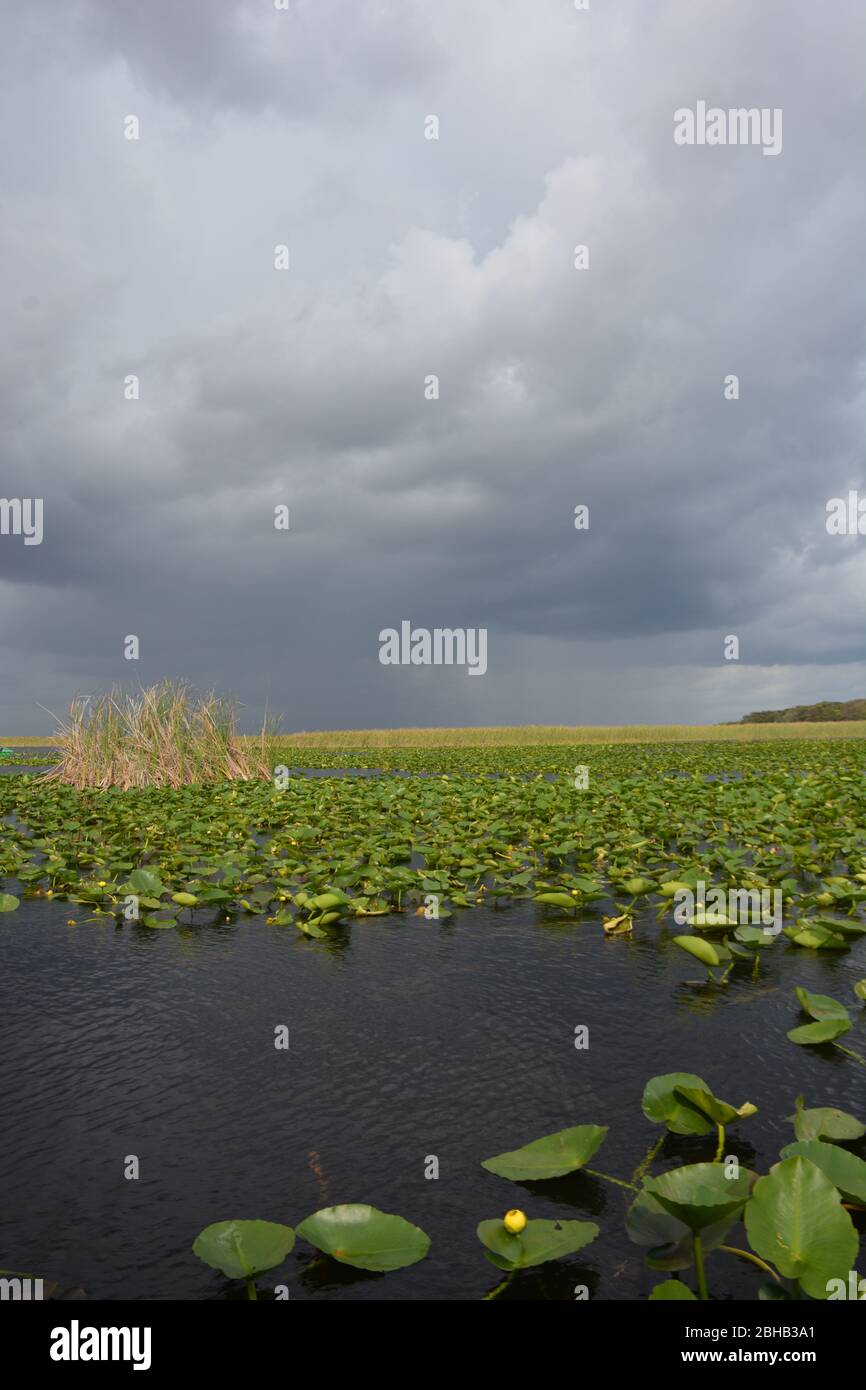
[
  {"x": 514, "y": 1243},
  {"x": 320, "y": 851},
  {"x": 362, "y": 1236},
  {"x": 832, "y": 1021},
  {"x": 353, "y": 1234},
  {"x": 487, "y": 826},
  {"x": 243, "y": 1249},
  {"x": 434, "y": 833},
  {"x": 551, "y": 1156},
  {"x": 796, "y": 1218}
]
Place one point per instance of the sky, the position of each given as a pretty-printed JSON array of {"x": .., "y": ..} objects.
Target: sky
[{"x": 447, "y": 504}]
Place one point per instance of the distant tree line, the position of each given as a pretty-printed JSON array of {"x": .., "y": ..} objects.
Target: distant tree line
[{"x": 824, "y": 711}]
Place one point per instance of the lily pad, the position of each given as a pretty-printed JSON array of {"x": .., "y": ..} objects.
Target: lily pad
[
  {"x": 667, "y": 1239},
  {"x": 820, "y": 1006},
  {"x": 563, "y": 900},
  {"x": 812, "y": 1034},
  {"x": 718, "y": 1111},
  {"x": 242, "y": 1249},
  {"x": 845, "y": 1170},
  {"x": 795, "y": 1219},
  {"x": 825, "y": 1122},
  {"x": 362, "y": 1236},
  {"x": 700, "y": 1194},
  {"x": 549, "y": 1157},
  {"x": 672, "y": 1289},
  {"x": 661, "y": 1104},
  {"x": 701, "y": 950},
  {"x": 538, "y": 1242},
  {"x": 145, "y": 881},
  {"x": 702, "y": 920}
]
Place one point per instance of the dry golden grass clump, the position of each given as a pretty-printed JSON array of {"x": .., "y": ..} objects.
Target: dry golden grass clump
[{"x": 164, "y": 736}]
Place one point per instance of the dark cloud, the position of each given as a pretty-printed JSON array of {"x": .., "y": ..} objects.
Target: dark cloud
[{"x": 410, "y": 258}]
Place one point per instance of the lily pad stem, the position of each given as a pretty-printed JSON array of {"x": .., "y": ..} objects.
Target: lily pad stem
[
  {"x": 607, "y": 1178},
  {"x": 851, "y": 1053},
  {"x": 499, "y": 1287},
  {"x": 721, "y": 1145},
  {"x": 251, "y": 1288},
  {"x": 647, "y": 1160},
  {"x": 747, "y": 1255}
]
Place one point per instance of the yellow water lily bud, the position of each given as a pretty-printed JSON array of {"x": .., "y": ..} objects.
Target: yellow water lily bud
[{"x": 514, "y": 1221}]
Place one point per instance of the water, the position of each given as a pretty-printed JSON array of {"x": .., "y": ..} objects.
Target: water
[
  {"x": 408, "y": 1038},
  {"x": 8, "y": 765}
]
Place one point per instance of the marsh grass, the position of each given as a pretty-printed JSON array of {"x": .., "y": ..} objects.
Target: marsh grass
[
  {"x": 164, "y": 736},
  {"x": 531, "y": 735},
  {"x": 528, "y": 735}
]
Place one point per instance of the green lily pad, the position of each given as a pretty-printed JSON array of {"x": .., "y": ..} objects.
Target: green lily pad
[
  {"x": 538, "y": 1242},
  {"x": 718, "y": 1111},
  {"x": 672, "y": 1289},
  {"x": 557, "y": 900},
  {"x": 701, "y": 1194},
  {"x": 144, "y": 881},
  {"x": 825, "y": 1122},
  {"x": 362, "y": 1236},
  {"x": 816, "y": 939},
  {"x": 845, "y": 1170},
  {"x": 702, "y": 950},
  {"x": 755, "y": 938},
  {"x": 702, "y": 920},
  {"x": 638, "y": 887},
  {"x": 820, "y": 1006},
  {"x": 840, "y": 926},
  {"x": 811, "y": 1034},
  {"x": 668, "y": 1240},
  {"x": 242, "y": 1249},
  {"x": 661, "y": 1105},
  {"x": 795, "y": 1219},
  {"x": 549, "y": 1157},
  {"x": 326, "y": 901}
]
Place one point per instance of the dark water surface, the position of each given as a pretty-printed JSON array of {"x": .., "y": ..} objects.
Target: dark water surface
[
  {"x": 409, "y": 1038},
  {"x": 9, "y": 764}
]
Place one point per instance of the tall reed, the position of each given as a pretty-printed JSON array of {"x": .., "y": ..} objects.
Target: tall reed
[{"x": 164, "y": 736}]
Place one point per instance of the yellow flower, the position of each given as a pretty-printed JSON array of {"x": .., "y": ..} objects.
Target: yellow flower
[{"x": 514, "y": 1221}]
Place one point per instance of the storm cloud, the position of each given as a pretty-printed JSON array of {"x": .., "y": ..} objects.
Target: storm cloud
[{"x": 412, "y": 258}]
